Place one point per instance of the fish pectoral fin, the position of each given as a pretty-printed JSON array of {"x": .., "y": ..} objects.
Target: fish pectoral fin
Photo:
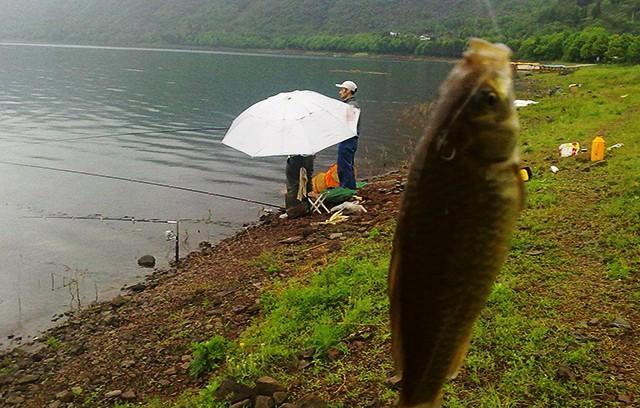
[{"x": 458, "y": 358}]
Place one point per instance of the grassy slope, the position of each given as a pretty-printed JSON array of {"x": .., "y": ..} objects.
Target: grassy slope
[{"x": 544, "y": 339}]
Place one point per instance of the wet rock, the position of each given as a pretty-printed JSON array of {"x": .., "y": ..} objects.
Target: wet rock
[
  {"x": 312, "y": 401},
  {"x": 267, "y": 386},
  {"x": 64, "y": 396},
  {"x": 233, "y": 392},
  {"x": 147, "y": 261},
  {"x": 263, "y": 401},
  {"x": 113, "y": 394},
  {"x": 279, "y": 397}
]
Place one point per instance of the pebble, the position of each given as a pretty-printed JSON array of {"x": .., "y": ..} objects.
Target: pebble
[
  {"x": 242, "y": 404},
  {"x": 280, "y": 397},
  {"x": 394, "y": 382},
  {"x": 147, "y": 261},
  {"x": 128, "y": 395},
  {"x": 113, "y": 394},
  {"x": 267, "y": 386},
  {"x": 334, "y": 353},
  {"x": 15, "y": 400},
  {"x": 263, "y": 401},
  {"x": 27, "y": 379},
  {"x": 65, "y": 396},
  {"x": 620, "y": 323},
  {"x": 128, "y": 363}
]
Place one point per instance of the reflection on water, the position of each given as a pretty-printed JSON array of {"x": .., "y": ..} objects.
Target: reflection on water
[{"x": 50, "y": 95}]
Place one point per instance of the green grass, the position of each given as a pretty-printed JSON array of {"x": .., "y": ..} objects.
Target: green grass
[
  {"x": 208, "y": 355},
  {"x": 530, "y": 346},
  {"x": 269, "y": 262},
  {"x": 53, "y": 342}
]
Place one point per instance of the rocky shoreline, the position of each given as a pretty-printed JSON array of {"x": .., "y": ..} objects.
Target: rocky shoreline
[{"x": 138, "y": 345}]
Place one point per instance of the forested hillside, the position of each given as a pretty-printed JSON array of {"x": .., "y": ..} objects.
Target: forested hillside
[{"x": 341, "y": 25}]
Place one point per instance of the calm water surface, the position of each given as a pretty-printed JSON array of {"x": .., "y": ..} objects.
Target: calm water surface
[{"x": 48, "y": 93}]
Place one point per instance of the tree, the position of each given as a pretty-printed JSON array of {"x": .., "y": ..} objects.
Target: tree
[
  {"x": 633, "y": 51},
  {"x": 617, "y": 49}
]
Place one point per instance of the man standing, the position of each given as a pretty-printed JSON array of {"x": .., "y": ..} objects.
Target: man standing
[{"x": 347, "y": 149}]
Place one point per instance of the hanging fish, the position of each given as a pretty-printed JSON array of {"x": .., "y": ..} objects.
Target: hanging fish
[{"x": 461, "y": 202}]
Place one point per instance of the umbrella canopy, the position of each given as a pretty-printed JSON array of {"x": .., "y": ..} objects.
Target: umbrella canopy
[{"x": 298, "y": 122}]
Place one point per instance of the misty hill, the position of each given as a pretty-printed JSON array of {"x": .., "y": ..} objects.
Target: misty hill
[
  {"x": 171, "y": 21},
  {"x": 291, "y": 23}
]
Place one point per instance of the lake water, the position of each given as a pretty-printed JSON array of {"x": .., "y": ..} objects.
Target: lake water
[{"x": 49, "y": 93}]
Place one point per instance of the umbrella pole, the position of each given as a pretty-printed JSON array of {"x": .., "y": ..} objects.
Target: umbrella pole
[{"x": 177, "y": 243}]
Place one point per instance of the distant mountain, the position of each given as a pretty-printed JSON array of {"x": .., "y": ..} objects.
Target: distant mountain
[{"x": 230, "y": 22}]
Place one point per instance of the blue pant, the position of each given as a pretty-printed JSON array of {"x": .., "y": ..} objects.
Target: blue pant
[{"x": 346, "y": 156}]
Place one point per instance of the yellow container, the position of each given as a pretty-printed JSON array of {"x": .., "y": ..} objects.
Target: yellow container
[{"x": 597, "y": 148}]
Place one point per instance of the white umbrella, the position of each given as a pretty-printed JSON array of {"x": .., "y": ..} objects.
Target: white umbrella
[{"x": 298, "y": 122}]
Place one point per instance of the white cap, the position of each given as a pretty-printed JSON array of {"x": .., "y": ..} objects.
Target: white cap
[{"x": 350, "y": 85}]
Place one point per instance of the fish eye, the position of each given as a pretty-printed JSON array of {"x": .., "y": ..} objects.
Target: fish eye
[
  {"x": 491, "y": 98},
  {"x": 485, "y": 99}
]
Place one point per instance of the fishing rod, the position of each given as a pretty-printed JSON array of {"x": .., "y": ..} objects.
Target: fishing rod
[
  {"x": 72, "y": 139},
  {"x": 98, "y": 217},
  {"x": 150, "y": 183}
]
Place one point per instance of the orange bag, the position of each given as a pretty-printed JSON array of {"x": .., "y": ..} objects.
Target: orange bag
[{"x": 331, "y": 178}]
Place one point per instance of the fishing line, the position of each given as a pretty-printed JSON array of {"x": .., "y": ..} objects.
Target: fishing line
[
  {"x": 150, "y": 183},
  {"x": 492, "y": 14},
  {"x": 71, "y": 139}
]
